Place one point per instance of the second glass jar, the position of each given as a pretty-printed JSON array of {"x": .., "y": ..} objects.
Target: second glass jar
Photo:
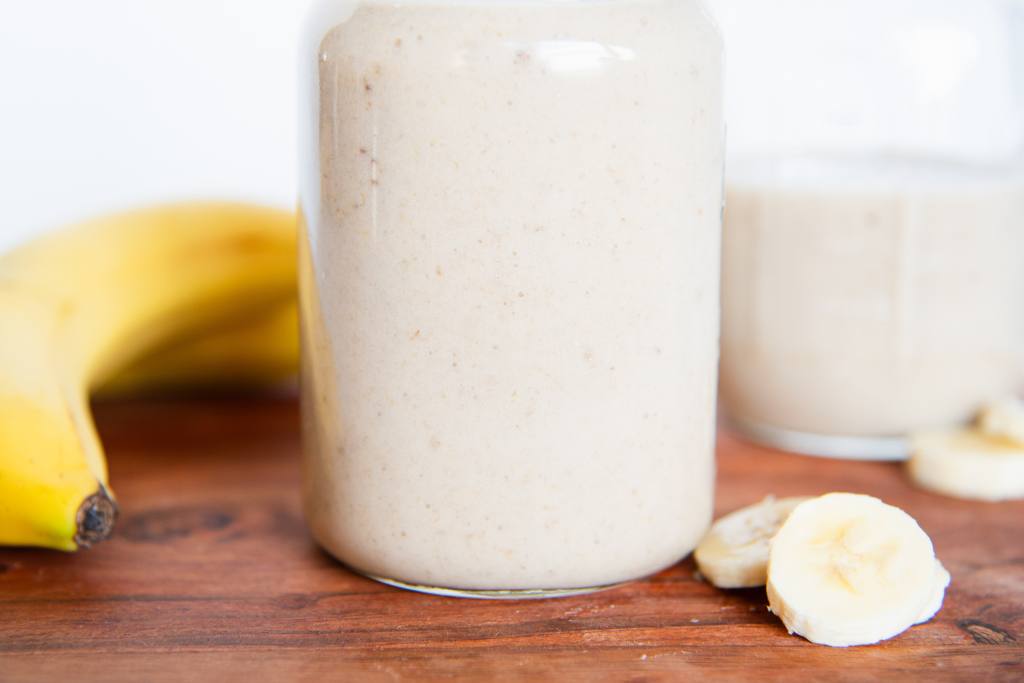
[{"x": 874, "y": 242}]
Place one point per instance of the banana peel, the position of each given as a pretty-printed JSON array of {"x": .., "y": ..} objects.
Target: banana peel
[{"x": 81, "y": 306}]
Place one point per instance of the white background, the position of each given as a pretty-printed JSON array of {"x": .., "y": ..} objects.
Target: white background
[{"x": 106, "y": 104}]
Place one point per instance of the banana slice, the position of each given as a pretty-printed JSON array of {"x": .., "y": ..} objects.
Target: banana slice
[
  {"x": 734, "y": 553},
  {"x": 941, "y": 582},
  {"x": 847, "y": 569},
  {"x": 968, "y": 464},
  {"x": 1004, "y": 419}
]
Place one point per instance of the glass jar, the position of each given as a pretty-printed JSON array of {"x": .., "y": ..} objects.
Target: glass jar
[
  {"x": 873, "y": 277},
  {"x": 510, "y": 279}
]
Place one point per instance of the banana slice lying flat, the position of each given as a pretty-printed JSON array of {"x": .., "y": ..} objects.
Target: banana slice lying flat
[
  {"x": 939, "y": 585},
  {"x": 847, "y": 569},
  {"x": 968, "y": 464},
  {"x": 1004, "y": 419},
  {"x": 734, "y": 554}
]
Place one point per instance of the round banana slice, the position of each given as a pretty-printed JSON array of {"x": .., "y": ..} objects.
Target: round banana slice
[
  {"x": 967, "y": 464},
  {"x": 846, "y": 570},
  {"x": 734, "y": 553},
  {"x": 941, "y": 582},
  {"x": 1004, "y": 419}
]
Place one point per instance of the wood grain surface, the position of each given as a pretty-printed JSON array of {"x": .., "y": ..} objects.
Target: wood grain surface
[{"x": 212, "y": 576}]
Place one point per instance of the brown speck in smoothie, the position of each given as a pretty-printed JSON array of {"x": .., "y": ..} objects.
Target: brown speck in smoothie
[
  {"x": 398, "y": 42},
  {"x": 367, "y": 86},
  {"x": 416, "y": 335},
  {"x": 440, "y": 273},
  {"x": 435, "y": 442},
  {"x": 362, "y": 150}
]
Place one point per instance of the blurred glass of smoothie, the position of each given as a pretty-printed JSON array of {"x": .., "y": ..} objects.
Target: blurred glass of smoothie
[{"x": 873, "y": 253}]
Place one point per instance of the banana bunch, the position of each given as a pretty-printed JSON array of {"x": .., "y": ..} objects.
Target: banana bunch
[
  {"x": 186, "y": 294},
  {"x": 839, "y": 570}
]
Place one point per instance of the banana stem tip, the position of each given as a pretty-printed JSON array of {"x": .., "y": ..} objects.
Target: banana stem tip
[{"x": 96, "y": 518}]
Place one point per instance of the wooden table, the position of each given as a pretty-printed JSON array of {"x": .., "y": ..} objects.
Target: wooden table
[{"x": 212, "y": 576}]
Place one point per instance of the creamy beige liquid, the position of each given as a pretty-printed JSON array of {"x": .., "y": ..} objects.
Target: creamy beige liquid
[
  {"x": 511, "y": 291},
  {"x": 870, "y": 300}
]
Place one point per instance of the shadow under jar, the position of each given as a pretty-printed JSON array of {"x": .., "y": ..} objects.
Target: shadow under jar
[
  {"x": 510, "y": 289},
  {"x": 873, "y": 252}
]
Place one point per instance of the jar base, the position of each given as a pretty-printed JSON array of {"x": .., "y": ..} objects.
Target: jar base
[
  {"x": 883, "y": 448},
  {"x": 524, "y": 594}
]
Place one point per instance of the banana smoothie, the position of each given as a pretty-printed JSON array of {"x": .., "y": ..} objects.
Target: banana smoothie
[
  {"x": 510, "y": 289},
  {"x": 868, "y": 299}
]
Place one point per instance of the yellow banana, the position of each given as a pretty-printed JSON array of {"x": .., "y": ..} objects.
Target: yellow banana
[
  {"x": 80, "y": 305},
  {"x": 261, "y": 353}
]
